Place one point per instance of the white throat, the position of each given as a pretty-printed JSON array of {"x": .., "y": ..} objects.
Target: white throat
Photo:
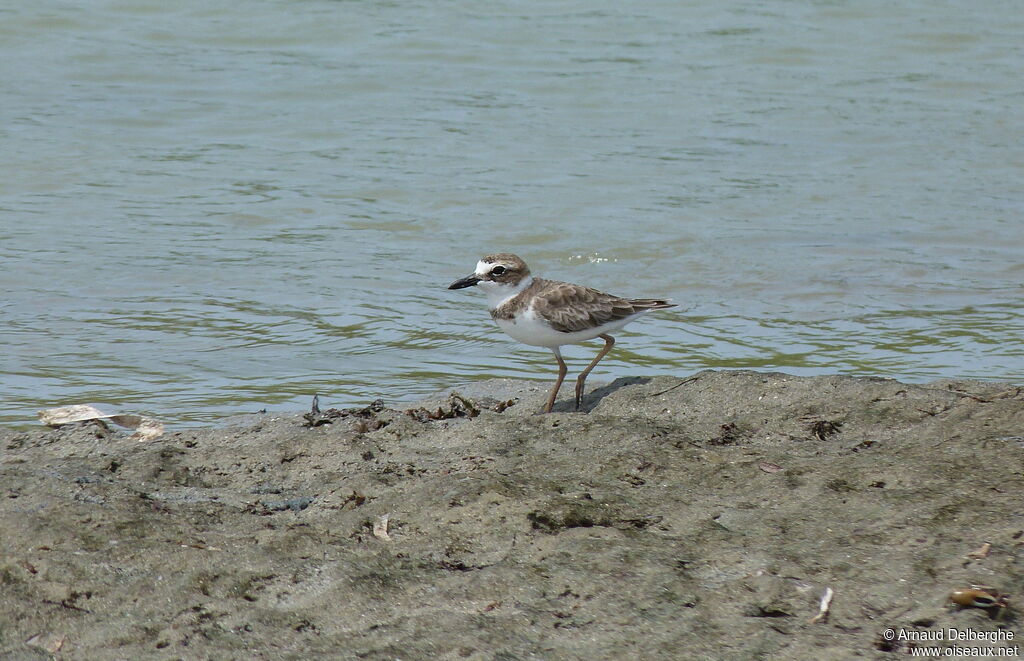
[{"x": 498, "y": 293}]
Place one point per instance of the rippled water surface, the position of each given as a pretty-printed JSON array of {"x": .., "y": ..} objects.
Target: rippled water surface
[{"x": 210, "y": 208}]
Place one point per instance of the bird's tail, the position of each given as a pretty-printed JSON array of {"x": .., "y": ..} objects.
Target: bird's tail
[{"x": 651, "y": 303}]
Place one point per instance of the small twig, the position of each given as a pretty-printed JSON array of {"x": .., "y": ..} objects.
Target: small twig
[
  {"x": 826, "y": 602},
  {"x": 202, "y": 547},
  {"x": 681, "y": 383},
  {"x": 64, "y": 603}
]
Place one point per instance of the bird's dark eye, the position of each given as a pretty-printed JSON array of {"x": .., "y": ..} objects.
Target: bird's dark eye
[{"x": 498, "y": 270}]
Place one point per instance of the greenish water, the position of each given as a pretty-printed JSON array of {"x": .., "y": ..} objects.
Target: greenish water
[{"x": 216, "y": 209}]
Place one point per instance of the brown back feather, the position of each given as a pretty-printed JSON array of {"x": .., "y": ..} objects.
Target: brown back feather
[{"x": 571, "y": 308}]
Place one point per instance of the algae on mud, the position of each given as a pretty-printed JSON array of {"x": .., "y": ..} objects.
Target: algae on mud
[{"x": 673, "y": 518}]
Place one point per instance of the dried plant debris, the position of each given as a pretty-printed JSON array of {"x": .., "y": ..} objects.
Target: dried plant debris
[
  {"x": 265, "y": 507},
  {"x": 557, "y": 516},
  {"x": 145, "y": 428},
  {"x": 458, "y": 406},
  {"x": 502, "y": 405},
  {"x": 373, "y": 424},
  {"x": 355, "y": 499},
  {"x": 368, "y": 418},
  {"x": 822, "y": 429},
  {"x": 728, "y": 433},
  {"x": 366, "y": 415}
]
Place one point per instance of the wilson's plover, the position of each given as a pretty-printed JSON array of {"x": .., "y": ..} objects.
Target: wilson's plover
[{"x": 548, "y": 313}]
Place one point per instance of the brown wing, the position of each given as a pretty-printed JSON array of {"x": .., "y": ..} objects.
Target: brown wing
[{"x": 569, "y": 308}]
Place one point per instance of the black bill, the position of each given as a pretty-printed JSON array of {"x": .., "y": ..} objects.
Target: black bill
[{"x": 468, "y": 281}]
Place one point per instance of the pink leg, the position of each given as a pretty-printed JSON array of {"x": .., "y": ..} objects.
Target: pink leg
[
  {"x": 609, "y": 342},
  {"x": 558, "y": 384}
]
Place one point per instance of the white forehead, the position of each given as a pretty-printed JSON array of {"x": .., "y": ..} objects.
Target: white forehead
[{"x": 482, "y": 267}]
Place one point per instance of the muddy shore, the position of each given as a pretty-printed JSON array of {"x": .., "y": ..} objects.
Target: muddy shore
[{"x": 674, "y": 518}]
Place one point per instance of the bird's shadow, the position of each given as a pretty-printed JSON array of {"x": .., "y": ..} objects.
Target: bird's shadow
[{"x": 593, "y": 398}]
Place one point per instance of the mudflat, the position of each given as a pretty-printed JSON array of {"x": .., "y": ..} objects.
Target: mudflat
[{"x": 673, "y": 518}]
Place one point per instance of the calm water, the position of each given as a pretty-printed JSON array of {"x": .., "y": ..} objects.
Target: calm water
[{"x": 210, "y": 209}]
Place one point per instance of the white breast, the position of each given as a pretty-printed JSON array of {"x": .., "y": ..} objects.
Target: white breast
[
  {"x": 529, "y": 328},
  {"x": 499, "y": 293}
]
